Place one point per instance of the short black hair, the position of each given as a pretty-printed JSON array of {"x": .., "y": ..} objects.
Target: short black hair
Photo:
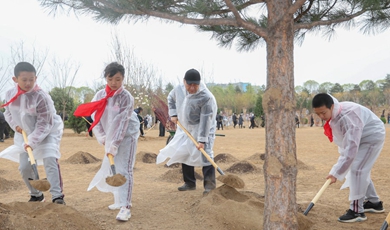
[
  {"x": 24, "y": 67},
  {"x": 113, "y": 68},
  {"x": 322, "y": 99}
]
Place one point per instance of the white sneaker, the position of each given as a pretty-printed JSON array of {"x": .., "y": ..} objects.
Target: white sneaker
[
  {"x": 124, "y": 214},
  {"x": 114, "y": 206}
]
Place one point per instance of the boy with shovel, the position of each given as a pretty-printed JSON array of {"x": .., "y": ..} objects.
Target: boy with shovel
[
  {"x": 360, "y": 135},
  {"x": 31, "y": 110}
]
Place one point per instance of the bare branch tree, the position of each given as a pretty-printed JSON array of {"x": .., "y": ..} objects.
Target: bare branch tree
[{"x": 63, "y": 78}]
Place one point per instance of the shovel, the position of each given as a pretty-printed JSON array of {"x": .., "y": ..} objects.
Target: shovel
[
  {"x": 319, "y": 193},
  {"x": 41, "y": 185},
  {"x": 230, "y": 180},
  {"x": 117, "y": 179},
  {"x": 385, "y": 224}
]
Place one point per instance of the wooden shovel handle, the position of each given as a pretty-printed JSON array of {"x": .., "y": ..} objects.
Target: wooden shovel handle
[
  {"x": 201, "y": 149},
  {"x": 29, "y": 150},
  {"x": 112, "y": 163},
  {"x": 317, "y": 196},
  {"x": 327, "y": 182}
]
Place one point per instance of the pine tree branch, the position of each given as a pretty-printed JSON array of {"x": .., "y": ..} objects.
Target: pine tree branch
[{"x": 328, "y": 22}]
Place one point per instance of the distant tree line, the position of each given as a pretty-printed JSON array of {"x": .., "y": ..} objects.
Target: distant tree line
[{"x": 143, "y": 83}]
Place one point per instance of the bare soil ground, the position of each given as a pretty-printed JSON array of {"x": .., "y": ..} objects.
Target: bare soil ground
[{"x": 157, "y": 204}]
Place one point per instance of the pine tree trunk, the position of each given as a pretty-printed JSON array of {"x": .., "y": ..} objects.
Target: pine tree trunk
[{"x": 280, "y": 169}]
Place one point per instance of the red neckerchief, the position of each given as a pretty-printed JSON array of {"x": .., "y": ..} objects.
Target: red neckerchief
[
  {"x": 328, "y": 130},
  {"x": 20, "y": 92},
  {"x": 87, "y": 109}
]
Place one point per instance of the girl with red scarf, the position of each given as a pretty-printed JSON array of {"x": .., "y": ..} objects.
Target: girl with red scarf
[{"x": 115, "y": 125}]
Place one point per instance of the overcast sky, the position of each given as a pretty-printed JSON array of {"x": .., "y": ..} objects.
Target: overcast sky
[{"x": 173, "y": 48}]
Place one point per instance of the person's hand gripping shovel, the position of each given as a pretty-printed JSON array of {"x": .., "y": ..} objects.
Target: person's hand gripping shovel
[
  {"x": 41, "y": 185},
  {"x": 230, "y": 180},
  {"x": 117, "y": 179}
]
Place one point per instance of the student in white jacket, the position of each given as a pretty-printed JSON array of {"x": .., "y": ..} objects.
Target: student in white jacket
[
  {"x": 115, "y": 126},
  {"x": 360, "y": 136},
  {"x": 30, "y": 109}
]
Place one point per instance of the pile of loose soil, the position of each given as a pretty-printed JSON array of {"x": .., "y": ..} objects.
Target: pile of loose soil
[
  {"x": 82, "y": 158},
  {"x": 257, "y": 158},
  {"x": 146, "y": 157},
  {"x": 42, "y": 215},
  {"x": 303, "y": 166},
  {"x": 7, "y": 185},
  {"x": 176, "y": 175},
  {"x": 243, "y": 167},
  {"x": 225, "y": 158},
  {"x": 231, "y": 209}
]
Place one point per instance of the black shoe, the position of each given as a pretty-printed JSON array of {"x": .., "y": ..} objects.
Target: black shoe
[
  {"x": 37, "y": 198},
  {"x": 186, "y": 187},
  {"x": 352, "y": 216},
  {"x": 6, "y": 137},
  {"x": 373, "y": 207},
  {"x": 59, "y": 200},
  {"x": 1, "y": 140}
]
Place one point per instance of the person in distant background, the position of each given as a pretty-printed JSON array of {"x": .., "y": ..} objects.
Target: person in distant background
[
  {"x": 2, "y": 126},
  {"x": 240, "y": 121},
  {"x": 219, "y": 121},
  {"x": 161, "y": 125},
  {"x": 138, "y": 111},
  {"x": 311, "y": 121},
  {"x": 234, "y": 118}
]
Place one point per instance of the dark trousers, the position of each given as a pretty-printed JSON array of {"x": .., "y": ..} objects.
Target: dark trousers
[
  {"x": 162, "y": 130},
  {"x": 6, "y": 130},
  {"x": 141, "y": 129},
  {"x": 219, "y": 125},
  {"x": 234, "y": 124},
  {"x": 208, "y": 175},
  {"x": 2, "y": 127}
]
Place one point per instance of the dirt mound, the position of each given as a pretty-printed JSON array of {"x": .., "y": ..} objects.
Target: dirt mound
[
  {"x": 232, "y": 209},
  {"x": 242, "y": 167},
  {"x": 225, "y": 158},
  {"x": 257, "y": 158},
  {"x": 176, "y": 175},
  {"x": 303, "y": 166},
  {"x": 82, "y": 158},
  {"x": 145, "y": 157},
  {"x": 6, "y": 185},
  {"x": 44, "y": 215}
]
